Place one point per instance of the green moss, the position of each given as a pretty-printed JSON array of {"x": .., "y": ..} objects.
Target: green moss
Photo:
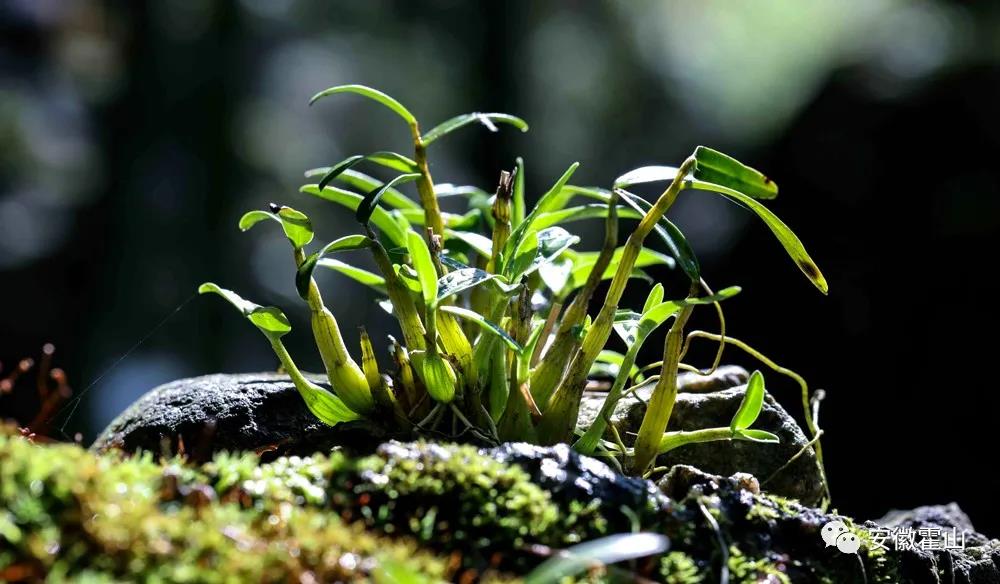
[
  {"x": 69, "y": 514},
  {"x": 746, "y": 570},
  {"x": 679, "y": 568}
]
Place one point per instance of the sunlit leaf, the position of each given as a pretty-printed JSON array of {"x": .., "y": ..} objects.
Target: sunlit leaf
[
  {"x": 717, "y": 168},
  {"x": 420, "y": 254},
  {"x": 645, "y": 174},
  {"x": 357, "y": 274},
  {"x": 655, "y": 297},
  {"x": 304, "y": 274},
  {"x": 753, "y": 401},
  {"x": 270, "y": 320},
  {"x": 578, "y": 213},
  {"x": 555, "y": 274},
  {"x": 380, "y": 217},
  {"x": 487, "y": 120},
  {"x": 552, "y": 200},
  {"x": 370, "y": 93},
  {"x": 606, "y": 550},
  {"x": 669, "y": 233},
  {"x": 793, "y": 246},
  {"x": 584, "y": 263},
  {"x": 484, "y": 324},
  {"x": 370, "y": 201},
  {"x": 752, "y": 435},
  {"x": 481, "y": 244},
  {"x": 524, "y": 257},
  {"x": 364, "y": 183},
  {"x": 391, "y": 160},
  {"x": 461, "y": 280},
  {"x": 251, "y": 218},
  {"x": 296, "y": 225}
]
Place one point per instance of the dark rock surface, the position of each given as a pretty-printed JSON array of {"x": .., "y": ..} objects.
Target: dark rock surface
[
  {"x": 979, "y": 562},
  {"x": 693, "y": 411},
  {"x": 788, "y": 534},
  {"x": 212, "y": 413}
]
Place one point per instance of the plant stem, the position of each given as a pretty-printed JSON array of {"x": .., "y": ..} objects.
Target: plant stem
[
  {"x": 559, "y": 418},
  {"x": 346, "y": 378},
  {"x": 661, "y": 404},
  {"x": 425, "y": 184},
  {"x": 671, "y": 440},
  {"x": 402, "y": 302},
  {"x": 803, "y": 386},
  {"x": 547, "y": 376}
]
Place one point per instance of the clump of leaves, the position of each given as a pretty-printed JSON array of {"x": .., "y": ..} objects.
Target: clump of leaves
[{"x": 492, "y": 304}]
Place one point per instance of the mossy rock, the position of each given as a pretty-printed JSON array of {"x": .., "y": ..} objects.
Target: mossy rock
[{"x": 427, "y": 511}]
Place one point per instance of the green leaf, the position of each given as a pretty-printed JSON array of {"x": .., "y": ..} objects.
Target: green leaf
[
  {"x": 380, "y": 217},
  {"x": 633, "y": 327},
  {"x": 338, "y": 169},
  {"x": 252, "y": 218},
  {"x": 555, "y": 274},
  {"x": 645, "y": 174},
  {"x": 484, "y": 324},
  {"x": 524, "y": 257},
  {"x": 676, "y": 243},
  {"x": 370, "y": 93},
  {"x": 584, "y": 262},
  {"x": 552, "y": 200},
  {"x": 655, "y": 297},
  {"x": 590, "y": 211},
  {"x": 298, "y": 228},
  {"x": 753, "y": 401},
  {"x": 304, "y": 274},
  {"x": 364, "y": 183},
  {"x": 270, "y": 320},
  {"x": 357, "y": 274},
  {"x": 326, "y": 406},
  {"x": 461, "y": 280},
  {"x": 793, "y": 246},
  {"x": 368, "y": 204},
  {"x": 295, "y": 224},
  {"x": 391, "y": 160},
  {"x": 609, "y": 363},
  {"x": 424, "y": 264},
  {"x": 715, "y": 167},
  {"x": 605, "y": 550},
  {"x": 442, "y": 190},
  {"x": 762, "y": 436},
  {"x": 517, "y": 208},
  {"x": 481, "y": 244},
  {"x": 487, "y": 120}
]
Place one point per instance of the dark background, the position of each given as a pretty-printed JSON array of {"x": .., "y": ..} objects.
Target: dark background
[{"x": 134, "y": 134}]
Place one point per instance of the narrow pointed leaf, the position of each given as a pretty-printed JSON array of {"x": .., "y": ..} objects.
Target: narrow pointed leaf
[
  {"x": 338, "y": 169},
  {"x": 591, "y": 211},
  {"x": 304, "y": 274},
  {"x": 357, "y": 274},
  {"x": 721, "y": 169},
  {"x": 524, "y": 257},
  {"x": 252, "y": 218},
  {"x": 753, "y": 401},
  {"x": 463, "y": 120},
  {"x": 676, "y": 243},
  {"x": 424, "y": 264},
  {"x": 461, "y": 280},
  {"x": 645, "y": 174},
  {"x": 605, "y": 550},
  {"x": 380, "y": 217},
  {"x": 481, "y": 244},
  {"x": 370, "y": 93},
  {"x": 793, "y": 246},
  {"x": 364, "y": 183},
  {"x": 486, "y": 325},
  {"x": 584, "y": 263},
  {"x": 370, "y": 201},
  {"x": 552, "y": 200},
  {"x": 752, "y": 435},
  {"x": 655, "y": 297},
  {"x": 270, "y": 320}
]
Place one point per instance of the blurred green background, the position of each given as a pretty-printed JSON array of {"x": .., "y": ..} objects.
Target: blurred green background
[{"x": 134, "y": 134}]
